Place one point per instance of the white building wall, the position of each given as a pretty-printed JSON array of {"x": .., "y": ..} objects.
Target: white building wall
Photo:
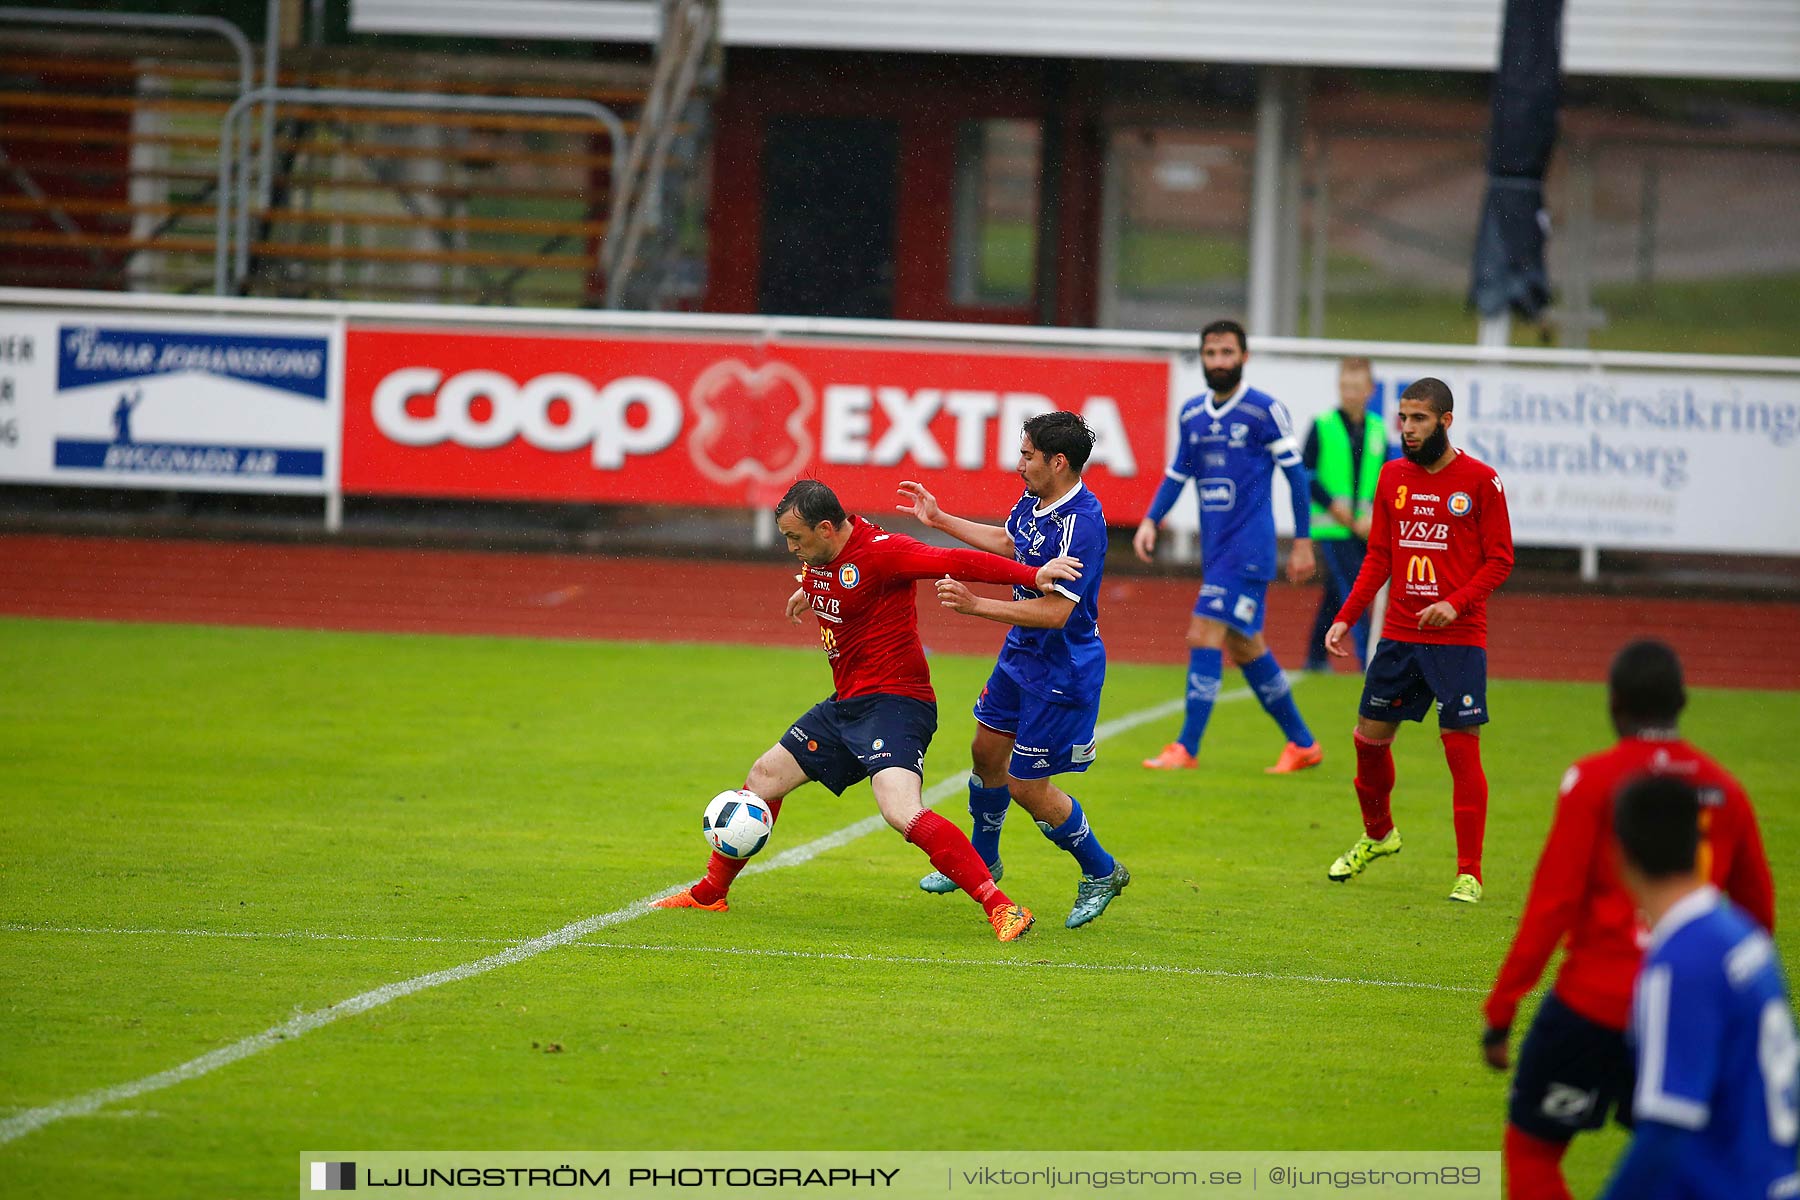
[{"x": 1720, "y": 39}]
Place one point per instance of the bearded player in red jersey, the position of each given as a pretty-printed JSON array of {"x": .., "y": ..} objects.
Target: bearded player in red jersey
[
  {"x": 1441, "y": 531},
  {"x": 857, "y": 580},
  {"x": 1575, "y": 1065}
]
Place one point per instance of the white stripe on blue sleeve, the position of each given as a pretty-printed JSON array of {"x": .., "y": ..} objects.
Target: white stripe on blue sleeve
[{"x": 1651, "y": 1102}]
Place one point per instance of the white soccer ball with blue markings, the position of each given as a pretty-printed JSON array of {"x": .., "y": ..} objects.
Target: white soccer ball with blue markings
[{"x": 737, "y": 823}]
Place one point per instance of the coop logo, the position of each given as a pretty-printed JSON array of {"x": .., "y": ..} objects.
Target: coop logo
[
  {"x": 751, "y": 423},
  {"x": 334, "y": 1177},
  {"x": 1420, "y": 569},
  {"x": 632, "y": 415},
  {"x": 710, "y": 420}
]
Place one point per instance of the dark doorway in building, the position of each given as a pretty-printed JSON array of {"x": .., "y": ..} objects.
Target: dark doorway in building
[{"x": 830, "y": 185}]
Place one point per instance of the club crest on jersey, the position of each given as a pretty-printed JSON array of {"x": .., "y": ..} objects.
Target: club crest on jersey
[
  {"x": 1460, "y": 504},
  {"x": 849, "y": 576}
]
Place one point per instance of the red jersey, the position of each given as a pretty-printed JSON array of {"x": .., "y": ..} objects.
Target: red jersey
[
  {"x": 1578, "y": 898},
  {"x": 868, "y": 622},
  {"x": 1442, "y": 536}
]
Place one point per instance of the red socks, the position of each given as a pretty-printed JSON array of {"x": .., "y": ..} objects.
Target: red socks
[
  {"x": 950, "y": 852},
  {"x": 1468, "y": 797},
  {"x": 720, "y": 871},
  {"x": 1375, "y": 784},
  {"x": 1533, "y": 1167}
]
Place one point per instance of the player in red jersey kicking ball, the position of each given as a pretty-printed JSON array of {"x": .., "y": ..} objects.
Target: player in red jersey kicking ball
[
  {"x": 1442, "y": 539},
  {"x": 857, "y": 580}
]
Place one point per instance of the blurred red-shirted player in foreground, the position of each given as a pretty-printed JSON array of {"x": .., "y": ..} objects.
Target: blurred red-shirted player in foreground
[{"x": 1575, "y": 1065}]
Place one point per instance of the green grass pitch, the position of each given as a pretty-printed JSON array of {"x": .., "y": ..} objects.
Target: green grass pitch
[{"x": 204, "y": 832}]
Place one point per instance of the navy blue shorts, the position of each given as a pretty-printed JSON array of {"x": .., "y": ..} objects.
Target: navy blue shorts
[
  {"x": 1405, "y": 679},
  {"x": 839, "y": 742},
  {"x": 1571, "y": 1073},
  {"x": 1048, "y": 738}
]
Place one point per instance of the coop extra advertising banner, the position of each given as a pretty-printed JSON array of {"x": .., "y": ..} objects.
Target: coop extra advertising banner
[
  {"x": 169, "y": 402},
  {"x": 707, "y": 421},
  {"x": 1621, "y": 459}
]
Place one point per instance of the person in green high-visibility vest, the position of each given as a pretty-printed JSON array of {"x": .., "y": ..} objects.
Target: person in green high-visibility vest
[{"x": 1343, "y": 455}]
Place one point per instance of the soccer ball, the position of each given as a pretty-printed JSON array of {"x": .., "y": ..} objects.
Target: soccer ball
[{"x": 737, "y": 823}]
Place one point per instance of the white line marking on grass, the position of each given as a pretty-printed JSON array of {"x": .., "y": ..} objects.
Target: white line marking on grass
[
  {"x": 34, "y": 1119},
  {"x": 31, "y": 1120},
  {"x": 1038, "y": 964},
  {"x": 256, "y": 936}
]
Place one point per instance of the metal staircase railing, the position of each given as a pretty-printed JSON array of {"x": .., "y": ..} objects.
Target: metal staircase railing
[
  {"x": 108, "y": 172},
  {"x": 661, "y": 190}
]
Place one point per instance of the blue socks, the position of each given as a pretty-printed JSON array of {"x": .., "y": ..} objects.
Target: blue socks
[
  {"x": 1074, "y": 836},
  {"x": 1204, "y": 669},
  {"x": 987, "y": 811},
  {"x": 1265, "y": 677}
]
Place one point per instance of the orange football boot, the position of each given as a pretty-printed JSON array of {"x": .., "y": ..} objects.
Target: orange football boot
[
  {"x": 1011, "y": 922},
  {"x": 685, "y": 899},
  {"x": 1296, "y": 758},
  {"x": 1174, "y": 757}
]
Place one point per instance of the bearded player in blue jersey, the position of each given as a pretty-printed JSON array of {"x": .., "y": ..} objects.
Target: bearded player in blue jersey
[
  {"x": 1036, "y": 717},
  {"x": 1716, "y": 1109},
  {"x": 1231, "y": 440}
]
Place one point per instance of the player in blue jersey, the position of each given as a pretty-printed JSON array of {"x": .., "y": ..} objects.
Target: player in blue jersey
[
  {"x": 1035, "y": 718},
  {"x": 1231, "y": 439},
  {"x": 1717, "y": 1104}
]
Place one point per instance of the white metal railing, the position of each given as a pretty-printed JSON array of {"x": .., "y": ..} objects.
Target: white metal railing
[{"x": 230, "y": 271}]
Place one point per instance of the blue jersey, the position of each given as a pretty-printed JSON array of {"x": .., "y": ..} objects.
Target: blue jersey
[
  {"x": 1065, "y": 665},
  {"x": 1717, "y": 1061},
  {"x": 1230, "y": 450}
]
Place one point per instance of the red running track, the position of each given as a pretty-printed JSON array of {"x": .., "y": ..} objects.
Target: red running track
[{"x": 577, "y": 596}]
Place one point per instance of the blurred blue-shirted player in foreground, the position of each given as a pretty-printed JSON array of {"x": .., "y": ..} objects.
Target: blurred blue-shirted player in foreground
[
  {"x": 1035, "y": 719},
  {"x": 1717, "y": 1108},
  {"x": 1231, "y": 439}
]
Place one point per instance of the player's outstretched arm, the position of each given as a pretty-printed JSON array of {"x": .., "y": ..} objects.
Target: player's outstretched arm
[
  {"x": 918, "y": 503},
  {"x": 1039, "y": 612},
  {"x": 897, "y": 556}
]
